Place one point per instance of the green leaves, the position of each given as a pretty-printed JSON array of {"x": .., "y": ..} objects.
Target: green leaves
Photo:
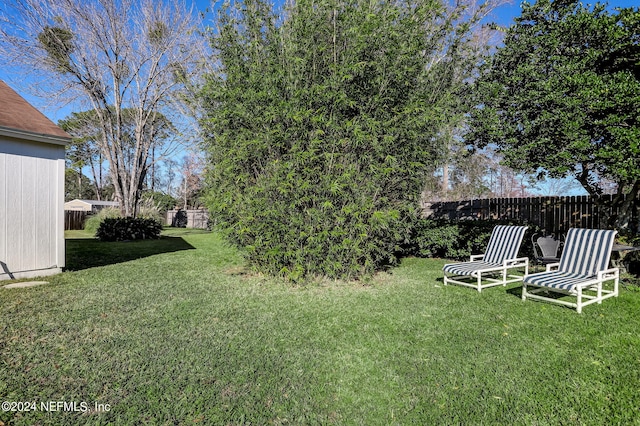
[
  {"x": 128, "y": 228},
  {"x": 58, "y": 43},
  {"x": 320, "y": 126},
  {"x": 562, "y": 95}
]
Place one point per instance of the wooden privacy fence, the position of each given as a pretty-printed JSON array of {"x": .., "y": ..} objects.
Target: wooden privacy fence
[
  {"x": 553, "y": 214},
  {"x": 188, "y": 218},
  {"x": 74, "y": 219}
]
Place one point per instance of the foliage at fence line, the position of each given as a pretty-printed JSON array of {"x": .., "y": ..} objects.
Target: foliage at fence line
[
  {"x": 459, "y": 239},
  {"x": 93, "y": 221},
  {"x": 321, "y": 127},
  {"x": 147, "y": 210},
  {"x": 128, "y": 228}
]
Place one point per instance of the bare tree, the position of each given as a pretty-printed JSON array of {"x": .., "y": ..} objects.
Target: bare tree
[
  {"x": 191, "y": 180},
  {"x": 170, "y": 175},
  {"x": 84, "y": 150},
  {"x": 556, "y": 187},
  {"x": 461, "y": 176},
  {"x": 114, "y": 56}
]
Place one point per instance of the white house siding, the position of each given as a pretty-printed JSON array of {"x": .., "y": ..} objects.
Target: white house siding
[{"x": 31, "y": 208}]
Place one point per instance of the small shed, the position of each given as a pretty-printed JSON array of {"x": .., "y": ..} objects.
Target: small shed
[
  {"x": 89, "y": 206},
  {"x": 31, "y": 190}
]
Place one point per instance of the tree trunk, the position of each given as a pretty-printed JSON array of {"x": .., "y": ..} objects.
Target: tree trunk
[
  {"x": 445, "y": 179},
  {"x": 627, "y": 206}
]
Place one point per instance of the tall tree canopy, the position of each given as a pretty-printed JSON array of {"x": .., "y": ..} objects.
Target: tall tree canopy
[
  {"x": 322, "y": 124},
  {"x": 562, "y": 96},
  {"x": 127, "y": 60}
]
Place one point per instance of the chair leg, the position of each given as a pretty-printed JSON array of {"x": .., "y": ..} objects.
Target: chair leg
[{"x": 579, "y": 301}]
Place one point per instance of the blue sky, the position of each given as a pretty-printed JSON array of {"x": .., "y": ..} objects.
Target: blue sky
[{"x": 503, "y": 15}]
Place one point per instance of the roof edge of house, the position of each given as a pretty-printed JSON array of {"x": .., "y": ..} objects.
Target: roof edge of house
[{"x": 32, "y": 136}]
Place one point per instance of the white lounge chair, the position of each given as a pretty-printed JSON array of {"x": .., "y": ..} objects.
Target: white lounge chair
[
  {"x": 490, "y": 269},
  {"x": 581, "y": 272}
]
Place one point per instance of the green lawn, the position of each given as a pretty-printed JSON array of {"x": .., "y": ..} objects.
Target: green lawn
[{"x": 176, "y": 331}]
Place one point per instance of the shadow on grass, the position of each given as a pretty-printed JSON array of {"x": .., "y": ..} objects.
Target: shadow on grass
[
  {"x": 84, "y": 253},
  {"x": 517, "y": 291}
]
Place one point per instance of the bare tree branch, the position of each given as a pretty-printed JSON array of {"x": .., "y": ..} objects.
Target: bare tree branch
[{"x": 113, "y": 55}]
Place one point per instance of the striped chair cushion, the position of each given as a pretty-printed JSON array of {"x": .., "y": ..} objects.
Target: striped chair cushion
[
  {"x": 586, "y": 251},
  {"x": 557, "y": 279},
  {"x": 504, "y": 243},
  {"x": 468, "y": 268}
]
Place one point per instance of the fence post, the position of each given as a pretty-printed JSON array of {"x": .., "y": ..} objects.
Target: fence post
[
  {"x": 551, "y": 214},
  {"x": 194, "y": 218},
  {"x": 74, "y": 219}
]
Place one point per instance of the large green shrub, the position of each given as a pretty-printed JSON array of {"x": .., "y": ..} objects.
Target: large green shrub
[
  {"x": 147, "y": 209},
  {"x": 321, "y": 128},
  {"x": 128, "y": 228}
]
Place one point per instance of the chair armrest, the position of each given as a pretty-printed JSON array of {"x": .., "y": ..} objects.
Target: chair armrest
[
  {"x": 476, "y": 257},
  {"x": 553, "y": 266},
  {"x": 608, "y": 274},
  {"x": 520, "y": 261}
]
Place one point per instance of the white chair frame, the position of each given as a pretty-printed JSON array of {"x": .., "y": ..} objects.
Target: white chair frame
[
  {"x": 482, "y": 278},
  {"x": 586, "y": 287},
  {"x": 479, "y": 274}
]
